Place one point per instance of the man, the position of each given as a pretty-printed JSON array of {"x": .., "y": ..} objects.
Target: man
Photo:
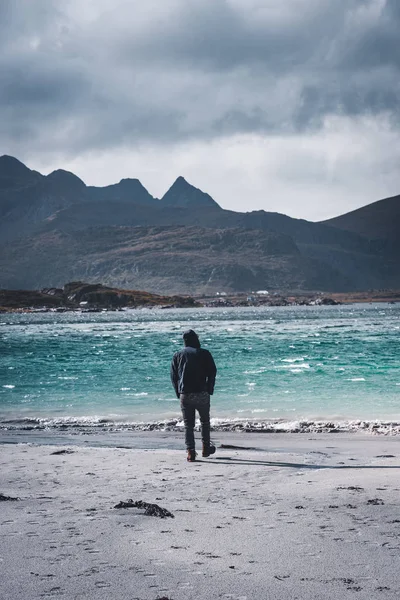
[{"x": 193, "y": 374}]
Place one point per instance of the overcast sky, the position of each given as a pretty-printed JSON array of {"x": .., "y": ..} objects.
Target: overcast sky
[{"x": 290, "y": 106}]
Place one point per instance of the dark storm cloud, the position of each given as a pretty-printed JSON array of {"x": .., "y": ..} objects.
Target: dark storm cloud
[
  {"x": 214, "y": 36},
  {"x": 375, "y": 45},
  {"x": 103, "y": 73}
]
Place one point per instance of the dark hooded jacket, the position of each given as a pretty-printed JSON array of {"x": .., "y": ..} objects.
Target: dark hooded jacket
[{"x": 193, "y": 369}]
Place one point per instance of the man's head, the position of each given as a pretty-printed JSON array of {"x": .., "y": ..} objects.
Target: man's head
[{"x": 190, "y": 338}]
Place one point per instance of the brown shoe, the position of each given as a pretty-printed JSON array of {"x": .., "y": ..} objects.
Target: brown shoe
[
  {"x": 191, "y": 455},
  {"x": 208, "y": 450}
]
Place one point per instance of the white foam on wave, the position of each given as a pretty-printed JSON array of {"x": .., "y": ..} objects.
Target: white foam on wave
[
  {"x": 302, "y": 365},
  {"x": 292, "y": 360},
  {"x": 356, "y": 379},
  {"x": 92, "y": 424},
  {"x": 9, "y": 387}
]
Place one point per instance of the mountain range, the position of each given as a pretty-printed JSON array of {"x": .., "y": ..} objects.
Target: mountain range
[{"x": 55, "y": 229}]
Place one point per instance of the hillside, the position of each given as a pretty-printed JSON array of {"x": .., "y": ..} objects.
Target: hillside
[
  {"x": 178, "y": 260},
  {"x": 377, "y": 220},
  {"x": 54, "y": 228}
]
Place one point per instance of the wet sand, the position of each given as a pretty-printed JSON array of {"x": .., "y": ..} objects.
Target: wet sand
[{"x": 278, "y": 516}]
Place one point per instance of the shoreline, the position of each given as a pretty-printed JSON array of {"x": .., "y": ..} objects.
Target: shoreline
[
  {"x": 334, "y": 299},
  {"x": 96, "y": 298},
  {"x": 162, "y": 435},
  {"x": 103, "y": 425}
]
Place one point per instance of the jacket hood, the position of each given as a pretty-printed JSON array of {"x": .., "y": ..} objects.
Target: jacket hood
[{"x": 190, "y": 338}]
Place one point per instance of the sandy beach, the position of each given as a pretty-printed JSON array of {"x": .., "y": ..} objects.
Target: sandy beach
[{"x": 275, "y": 517}]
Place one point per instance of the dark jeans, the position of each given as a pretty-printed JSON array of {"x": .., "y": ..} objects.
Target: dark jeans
[{"x": 189, "y": 404}]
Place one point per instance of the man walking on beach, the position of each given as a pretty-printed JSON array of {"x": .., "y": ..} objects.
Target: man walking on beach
[{"x": 193, "y": 374}]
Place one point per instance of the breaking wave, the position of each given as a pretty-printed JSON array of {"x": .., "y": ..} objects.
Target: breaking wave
[{"x": 81, "y": 425}]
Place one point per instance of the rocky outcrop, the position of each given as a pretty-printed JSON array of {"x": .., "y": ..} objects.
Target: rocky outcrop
[
  {"x": 184, "y": 195},
  {"x": 86, "y": 296},
  {"x": 13, "y": 299}
]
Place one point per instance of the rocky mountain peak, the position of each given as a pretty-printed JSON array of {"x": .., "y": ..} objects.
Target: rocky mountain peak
[
  {"x": 65, "y": 179},
  {"x": 185, "y": 195},
  {"x": 12, "y": 165},
  {"x": 129, "y": 183},
  {"x": 14, "y": 173},
  {"x": 127, "y": 190},
  {"x": 181, "y": 181}
]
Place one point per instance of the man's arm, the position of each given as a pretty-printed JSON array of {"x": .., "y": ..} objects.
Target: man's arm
[
  {"x": 211, "y": 374},
  {"x": 174, "y": 374}
]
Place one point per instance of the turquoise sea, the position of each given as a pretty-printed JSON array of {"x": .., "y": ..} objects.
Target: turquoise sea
[{"x": 111, "y": 369}]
